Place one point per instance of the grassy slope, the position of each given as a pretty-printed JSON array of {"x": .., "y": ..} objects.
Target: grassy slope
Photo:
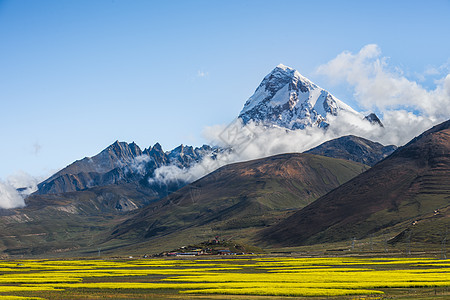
[
  {"x": 406, "y": 187},
  {"x": 235, "y": 201},
  {"x": 67, "y": 222}
]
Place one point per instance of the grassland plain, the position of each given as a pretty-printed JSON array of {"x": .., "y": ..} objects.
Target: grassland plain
[{"x": 227, "y": 278}]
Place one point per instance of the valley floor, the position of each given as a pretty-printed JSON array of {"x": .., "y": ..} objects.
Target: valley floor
[{"x": 225, "y": 277}]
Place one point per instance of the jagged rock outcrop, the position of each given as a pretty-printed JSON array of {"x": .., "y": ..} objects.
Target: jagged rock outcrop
[
  {"x": 373, "y": 119},
  {"x": 120, "y": 162}
]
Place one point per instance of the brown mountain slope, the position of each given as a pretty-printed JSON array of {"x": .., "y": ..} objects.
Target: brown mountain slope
[
  {"x": 62, "y": 223},
  {"x": 354, "y": 148},
  {"x": 238, "y": 197},
  {"x": 411, "y": 183},
  {"x": 244, "y": 195}
]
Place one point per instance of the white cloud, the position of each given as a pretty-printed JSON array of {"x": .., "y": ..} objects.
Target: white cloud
[
  {"x": 9, "y": 196},
  {"x": 442, "y": 69},
  {"x": 172, "y": 173},
  {"x": 24, "y": 181},
  {"x": 253, "y": 141},
  {"x": 431, "y": 71},
  {"x": 138, "y": 164},
  {"x": 406, "y": 107},
  {"x": 16, "y": 188}
]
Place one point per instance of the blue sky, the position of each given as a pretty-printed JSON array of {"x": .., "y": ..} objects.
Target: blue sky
[{"x": 77, "y": 75}]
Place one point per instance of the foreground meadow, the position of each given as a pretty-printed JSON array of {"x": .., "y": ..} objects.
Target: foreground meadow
[{"x": 226, "y": 278}]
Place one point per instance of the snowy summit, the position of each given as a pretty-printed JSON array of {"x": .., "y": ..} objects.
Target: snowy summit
[{"x": 287, "y": 99}]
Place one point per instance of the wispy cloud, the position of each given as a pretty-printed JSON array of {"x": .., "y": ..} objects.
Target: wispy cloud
[
  {"x": 442, "y": 69},
  {"x": 202, "y": 73},
  {"x": 37, "y": 148},
  {"x": 253, "y": 141}
]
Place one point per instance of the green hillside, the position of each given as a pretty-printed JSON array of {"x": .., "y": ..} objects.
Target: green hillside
[{"x": 235, "y": 201}]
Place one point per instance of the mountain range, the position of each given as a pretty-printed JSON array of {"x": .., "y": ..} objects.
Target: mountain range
[
  {"x": 120, "y": 163},
  {"x": 248, "y": 196},
  {"x": 292, "y": 200},
  {"x": 239, "y": 197},
  {"x": 349, "y": 187},
  {"x": 284, "y": 98},
  {"x": 408, "y": 189}
]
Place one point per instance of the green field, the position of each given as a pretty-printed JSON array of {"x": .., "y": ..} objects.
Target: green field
[{"x": 255, "y": 277}]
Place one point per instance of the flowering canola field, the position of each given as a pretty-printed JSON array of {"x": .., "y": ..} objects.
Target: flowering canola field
[{"x": 299, "y": 277}]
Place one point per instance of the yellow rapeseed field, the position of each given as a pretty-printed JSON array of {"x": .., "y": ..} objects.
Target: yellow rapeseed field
[{"x": 329, "y": 277}]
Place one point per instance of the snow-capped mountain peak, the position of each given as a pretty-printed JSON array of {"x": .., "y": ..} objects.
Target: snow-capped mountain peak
[{"x": 287, "y": 99}]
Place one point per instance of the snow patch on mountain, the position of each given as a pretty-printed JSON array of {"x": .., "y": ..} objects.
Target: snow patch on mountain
[{"x": 285, "y": 98}]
